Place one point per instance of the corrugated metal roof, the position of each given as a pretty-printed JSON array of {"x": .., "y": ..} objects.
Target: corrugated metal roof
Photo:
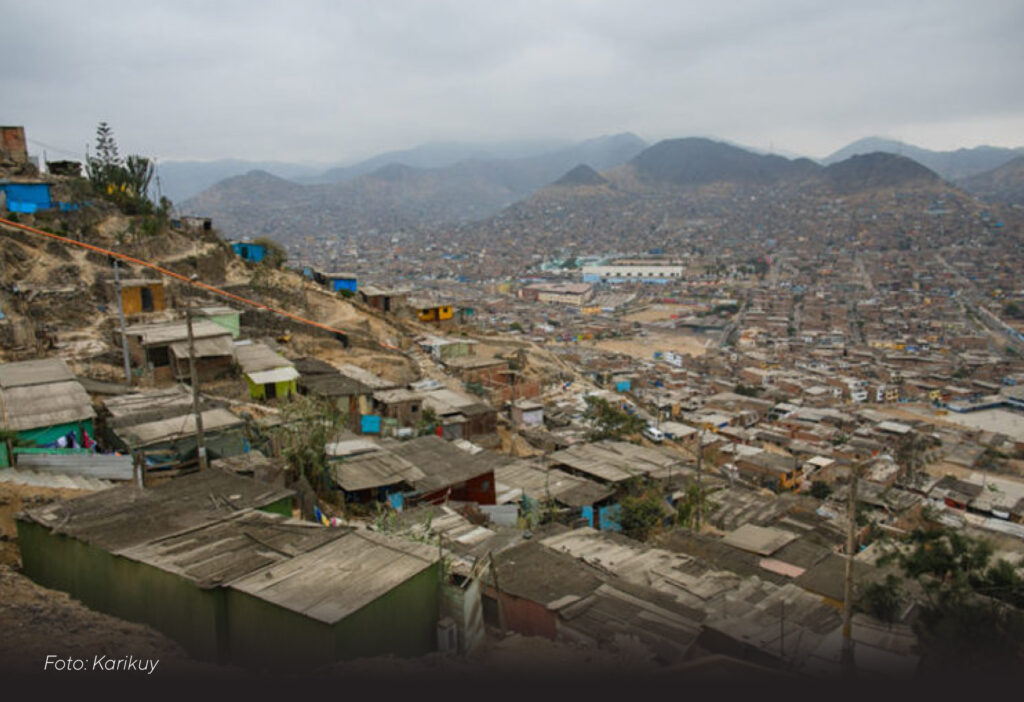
[
  {"x": 275, "y": 375},
  {"x": 443, "y": 464},
  {"x": 260, "y": 357},
  {"x": 340, "y": 577},
  {"x": 205, "y": 348},
  {"x": 537, "y": 483},
  {"x": 233, "y": 548},
  {"x": 142, "y": 435},
  {"x": 147, "y": 406},
  {"x": 758, "y": 539},
  {"x": 34, "y": 406},
  {"x": 366, "y": 377},
  {"x": 169, "y": 332},
  {"x": 128, "y": 515},
  {"x": 371, "y": 470},
  {"x": 37, "y": 372}
]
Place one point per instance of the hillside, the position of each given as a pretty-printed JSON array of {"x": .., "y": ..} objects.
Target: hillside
[
  {"x": 395, "y": 197},
  {"x": 874, "y": 171},
  {"x": 698, "y": 161},
  {"x": 581, "y": 175},
  {"x": 697, "y": 196},
  {"x": 950, "y": 165},
  {"x": 1003, "y": 185}
]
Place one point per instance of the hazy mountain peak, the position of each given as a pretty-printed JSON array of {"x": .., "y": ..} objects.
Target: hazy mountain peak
[{"x": 581, "y": 175}]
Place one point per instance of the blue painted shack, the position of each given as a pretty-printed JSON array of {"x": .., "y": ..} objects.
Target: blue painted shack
[
  {"x": 248, "y": 251},
  {"x": 341, "y": 281},
  {"x": 26, "y": 197}
]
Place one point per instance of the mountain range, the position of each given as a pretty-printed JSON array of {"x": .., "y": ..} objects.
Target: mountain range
[
  {"x": 951, "y": 165},
  {"x": 396, "y": 196}
]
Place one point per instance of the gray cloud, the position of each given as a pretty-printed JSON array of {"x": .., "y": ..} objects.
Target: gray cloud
[{"x": 328, "y": 81}]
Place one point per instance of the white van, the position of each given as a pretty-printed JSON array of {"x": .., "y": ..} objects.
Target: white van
[{"x": 654, "y": 434}]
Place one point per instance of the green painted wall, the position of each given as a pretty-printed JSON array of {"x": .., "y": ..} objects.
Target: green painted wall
[
  {"x": 222, "y": 624},
  {"x": 47, "y": 435},
  {"x": 402, "y": 622},
  {"x": 229, "y": 322},
  {"x": 282, "y": 506},
  {"x": 194, "y": 617}
]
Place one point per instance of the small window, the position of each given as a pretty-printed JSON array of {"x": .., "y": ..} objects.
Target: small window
[{"x": 414, "y": 408}]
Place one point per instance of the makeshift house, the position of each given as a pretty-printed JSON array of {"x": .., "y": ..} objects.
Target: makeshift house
[
  {"x": 527, "y": 413},
  {"x": 449, "y": 473},
  {"x": 383, "y": 299},
  {"x": 249, "y": 251},
  {"x": 43, "y": 402},
  {"x": 26, "y": 196},
  {"x": 399, "y": 404},
  {"x": 771, "y": 470},
  {"x": 536, "y": 488},
  {"x": 174, "y": 440},
  {"x": 141, "y": 295},
  {"x": 213, "y": 358},
  {"x": 211, "y": 561},
  {"x": 431, "y": 311},
  {"x": 149, "y": 346},
  {"x": 268, "y": 373},
  {"x": 375, "y": 476},
  {"x": 323, "y": 380},
  {"x": 460, "y": 415},
  {"x": 544, "y": 592},
  {"x": 340, "y": 281}
]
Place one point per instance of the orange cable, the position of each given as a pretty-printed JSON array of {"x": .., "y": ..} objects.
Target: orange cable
[{"x": 179, "y": 276}]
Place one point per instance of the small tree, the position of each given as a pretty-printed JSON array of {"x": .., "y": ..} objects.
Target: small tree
[
  {"x": 309, "y": 424},
  {"x": 275, "y": 253},
  {"x": 970, "y": 619},
  {"x": 608, "y": 421},
  {"x": 882, "y": 600},
  {"x": 686, "y": 508},
  {"x": 124, "y": 181},
  {"x": 641, "y": 510}
]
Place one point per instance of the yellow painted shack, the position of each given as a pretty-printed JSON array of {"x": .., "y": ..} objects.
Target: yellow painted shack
[
  {"x": 139, "y": 295},
  {"x": 434, "y": 313}
]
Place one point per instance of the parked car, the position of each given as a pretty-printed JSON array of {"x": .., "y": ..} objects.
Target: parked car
[{"x": 654, "y": 434}]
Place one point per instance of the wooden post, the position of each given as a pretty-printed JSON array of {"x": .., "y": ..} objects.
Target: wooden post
[
  {"x": 120, "y": 313},
  {"x": 497, "y": 589},
  {"x": 846, "y": 659},
  {"x": 200, "y": 439}
]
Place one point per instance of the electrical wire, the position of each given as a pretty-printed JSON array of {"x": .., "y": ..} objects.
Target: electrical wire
[{"x": 163, "y": 271}]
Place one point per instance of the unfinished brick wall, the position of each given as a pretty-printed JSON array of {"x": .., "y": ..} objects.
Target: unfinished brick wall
[{"x": 13, "y": 148}]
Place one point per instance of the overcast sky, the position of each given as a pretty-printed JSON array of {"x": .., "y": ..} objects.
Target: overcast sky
[{"x": 335, "y": 81}]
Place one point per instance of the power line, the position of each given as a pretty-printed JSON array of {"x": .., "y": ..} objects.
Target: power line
[
  {"x": 58, "y": 149},
  {"x": 163, "y": 271}
]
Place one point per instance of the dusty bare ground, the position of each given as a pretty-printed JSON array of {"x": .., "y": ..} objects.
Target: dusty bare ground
[
  {"x": 660, "y": 313},
  {"x": 14, "y": 498},
  {"x": 644, "y": 347},
  {"x": 37, "y": 622}
]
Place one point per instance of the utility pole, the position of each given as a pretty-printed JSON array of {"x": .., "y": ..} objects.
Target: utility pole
[
  {"x": 124, "y": 339},
  {"x": 700, "y": 481},
  {"x": 846, "y": 657},
  {"x": 200, "y": 439}
]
